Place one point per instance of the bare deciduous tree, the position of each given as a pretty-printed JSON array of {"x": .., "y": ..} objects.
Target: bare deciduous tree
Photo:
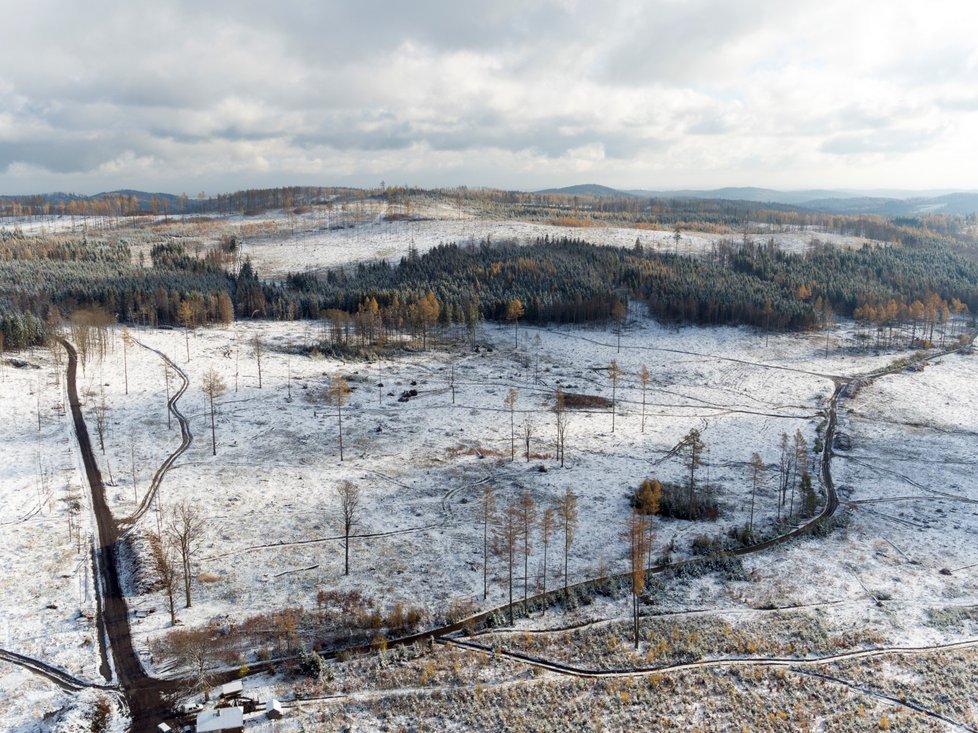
[
  {"x": 560, "y": 412},
  {"x": 527, "y": 437},
  {"x": 614, "y": 374},
  {"x": 349, "y": 495},
  {"x": 337, "y": 392},
  {"x": 643, "y": 375},
  {"x": 506, "y": 536},
  {"x": 101, "y": 419},
  {"x": 546, "y": 532},
  {"x": 213, "y": 386},
  {"x": 757, "y": 471},
  {"x": 567, "y": 512},
  {"x": 258, "y": 351},
  {"x": 185, "y": 530},
  {"x": 185, "y": 313},
  {"x": 126, "y": 340},
  {"x": 528, "y": 518},
  {"x": 488, "y": 519},
  {"x": 166, "y": 572},
  {"x": 510, "y": 401}
]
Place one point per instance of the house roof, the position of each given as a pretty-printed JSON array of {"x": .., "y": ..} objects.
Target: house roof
[{"x": 211, "y": 721}]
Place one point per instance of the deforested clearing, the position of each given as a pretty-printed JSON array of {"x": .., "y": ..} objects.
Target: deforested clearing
[{"x": 829, "y": 630}]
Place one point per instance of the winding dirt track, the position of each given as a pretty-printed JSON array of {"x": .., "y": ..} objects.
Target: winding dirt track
[
  {"x": 59, "y": 677},
  {"x": 186, "y": 438}
]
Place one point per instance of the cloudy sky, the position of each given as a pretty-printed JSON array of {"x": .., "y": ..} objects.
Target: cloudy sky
[{"x": 218, "y": 95}]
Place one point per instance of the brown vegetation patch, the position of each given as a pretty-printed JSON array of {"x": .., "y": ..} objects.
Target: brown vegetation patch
[{"x": 585, "y": 401}]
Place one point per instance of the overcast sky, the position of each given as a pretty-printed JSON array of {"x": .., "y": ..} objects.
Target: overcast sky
[{"x": 216, "y": 95}]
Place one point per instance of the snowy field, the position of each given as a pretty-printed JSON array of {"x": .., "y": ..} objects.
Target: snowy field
[
  {"x": 321, "y": 239},
  {"x": 273, "y": 525}
]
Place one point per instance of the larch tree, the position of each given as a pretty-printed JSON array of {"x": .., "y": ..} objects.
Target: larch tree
[
  {"x": 428, "y": 309},
  {"x": 213, "y": 386},
  {"x": 506, "y": 537},
  {"x": 101, "y": 418},
  {"x": 638, "y": 538},
  {"x": 614, "y": 374},
  {"x": 693, "y": 447},
  {"x": 349, "y": 495},
  {"x": 337, "y": 392},
  {"x": 800, "y": 462},
  {"x": 643, "y": 376},
  {"x": 126, "y": 340},
  {"x": 510, "y": 402},
  {"x": 528, "y": 519},
  {"x": 185, "y": 313},
  {"x": 567, "y": 513},
  {"x": 166, "y": 381},
  {"x": 546, "y": 532},
  {"x": 185, "y": 530},
  {"x": 488, "y": 512},
  {"x": 527, "y": 437},
  {"x": 784, "y": 471},
  {"x": 515, "y": 311},
  {"x": 562, "y": 419},
  {"x": 258, "y": 350},
  {"x": 757, "y": 472},
  {"x": 648, "y": 501}
]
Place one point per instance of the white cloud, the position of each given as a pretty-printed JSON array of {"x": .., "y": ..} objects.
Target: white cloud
[{"x": 653, "y": 93}]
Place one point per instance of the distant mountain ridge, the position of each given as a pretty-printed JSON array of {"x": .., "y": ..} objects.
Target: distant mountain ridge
[{"x": 886, "y": 202}]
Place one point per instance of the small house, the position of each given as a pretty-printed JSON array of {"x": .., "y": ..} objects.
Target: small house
[
  {"x": 222, "y": 720},
  {"x": 163, "y": 728}
]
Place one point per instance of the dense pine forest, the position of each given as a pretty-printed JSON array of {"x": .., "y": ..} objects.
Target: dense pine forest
[{"x": 550, "y": 280}]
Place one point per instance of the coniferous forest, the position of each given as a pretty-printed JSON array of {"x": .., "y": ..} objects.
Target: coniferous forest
[{"x": 556, "y": 280}]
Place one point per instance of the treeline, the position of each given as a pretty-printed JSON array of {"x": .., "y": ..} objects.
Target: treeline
[{"x": 556, "y": 281}]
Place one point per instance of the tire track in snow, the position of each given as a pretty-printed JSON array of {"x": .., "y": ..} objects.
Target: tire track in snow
[{"x": 186, "y": 439}]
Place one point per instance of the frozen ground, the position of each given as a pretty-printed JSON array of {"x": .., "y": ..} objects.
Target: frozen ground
[
  {"x": 324, "y": 238},
  {"x": 271, "y": 538}
]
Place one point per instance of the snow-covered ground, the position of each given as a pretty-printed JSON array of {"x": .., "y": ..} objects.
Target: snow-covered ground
[
  {"x": 325, "y": 238},
  {"x": 272, "y": 511}
]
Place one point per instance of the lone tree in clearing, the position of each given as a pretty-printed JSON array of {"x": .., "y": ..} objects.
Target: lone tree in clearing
[
  {"x": 567, "y": 513},
  {"x": 185, "y": 313},
  {"x": 693, "y": 451},
  {"x": 643, "y": 375},
  {"x": 614, "y": 374},
  {"x": 337, "y": 392},
  {"x": 258, "y": 349},
  {"x": 213, "y": 386},
  {"x": 101, "y": 418},
  {"x": 185, "y": 530},
  {"x": 510, "y": 401},
  {"x": 349, "y": 494},
  {"x": 515, "y": 311}
]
